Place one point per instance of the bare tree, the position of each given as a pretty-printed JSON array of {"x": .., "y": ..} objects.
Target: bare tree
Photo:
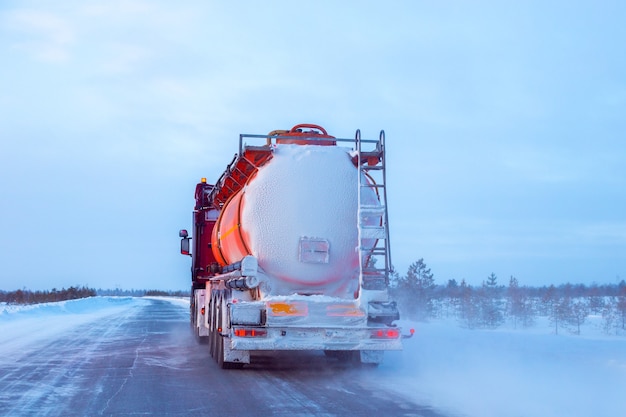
[
  {"x": 621, "y": 303},
  {"x": 610, "y": 317},
  {"x": 577, "y": 313},
  {"x": 469, "y": 312},
  {"x": 520, "y": 307},
  {"x": 555, "y": 306}
]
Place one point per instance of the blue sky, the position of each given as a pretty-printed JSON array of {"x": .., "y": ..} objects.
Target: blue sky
[{"x": 504, "y": 120}]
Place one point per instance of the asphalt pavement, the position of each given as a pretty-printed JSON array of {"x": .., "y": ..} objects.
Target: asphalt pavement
[{"x": 145, "y": 362}]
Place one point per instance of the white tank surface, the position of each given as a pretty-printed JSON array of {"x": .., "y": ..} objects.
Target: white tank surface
[{"x": 298, "y": 216}]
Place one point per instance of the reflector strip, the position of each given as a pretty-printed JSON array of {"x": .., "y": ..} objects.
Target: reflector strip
[{"x": 229, "y": 231}]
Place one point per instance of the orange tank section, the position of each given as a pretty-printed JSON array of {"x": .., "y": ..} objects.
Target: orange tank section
[
  {"x": 228, "y": 239},
  {"x": 238, "y": 173}
]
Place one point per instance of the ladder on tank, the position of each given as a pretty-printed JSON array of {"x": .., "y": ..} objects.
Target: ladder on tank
[{"x": 373, "y": 226}]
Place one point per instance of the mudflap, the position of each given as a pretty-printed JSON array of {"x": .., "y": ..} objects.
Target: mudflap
[
  {"x": 202, "y": 340},
  {"x": 367, "y": 357},
  {"x": 229, "y": 358}
]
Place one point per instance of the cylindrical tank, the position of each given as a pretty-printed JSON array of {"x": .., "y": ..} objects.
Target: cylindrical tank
[{"x": 298, "y": 216}]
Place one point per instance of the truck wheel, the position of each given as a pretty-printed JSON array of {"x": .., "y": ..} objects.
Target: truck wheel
[
  {"x": 220, "y": 351},
  {"x": 213, "y": 332}
]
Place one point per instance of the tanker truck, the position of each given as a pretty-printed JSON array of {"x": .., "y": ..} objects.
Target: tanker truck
[{"x": 290, "y": 250}]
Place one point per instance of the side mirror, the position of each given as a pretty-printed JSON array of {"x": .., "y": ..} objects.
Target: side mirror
[
  {"x": 184, "y": 246},
  {"x": 183, "y": 233}
]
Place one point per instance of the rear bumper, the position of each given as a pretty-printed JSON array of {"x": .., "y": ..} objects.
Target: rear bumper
[{"x": 315, "y": 338}]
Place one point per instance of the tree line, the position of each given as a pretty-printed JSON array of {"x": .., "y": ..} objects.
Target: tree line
[
  {"x": 141, "y": 293},
  {"x": 25, "y": 296},
  {"x": 489, "y": 305}
]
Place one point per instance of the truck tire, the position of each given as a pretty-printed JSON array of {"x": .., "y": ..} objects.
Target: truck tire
[
  {"x": 219, "y": 354},
  {"x": 213, "y": 328}
]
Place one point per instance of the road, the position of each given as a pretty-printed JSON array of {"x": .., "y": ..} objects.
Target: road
[{"x": 144, "y": 361}]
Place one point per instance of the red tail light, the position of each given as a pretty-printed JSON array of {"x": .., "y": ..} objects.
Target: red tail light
[
  {"x": 250, "y": 332},
  {"x": 385, "y": 334}
]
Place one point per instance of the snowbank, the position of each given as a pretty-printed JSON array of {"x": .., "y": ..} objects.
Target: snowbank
[
  {"x": 182, "y": 301},
  {"x": 80, "y": 306},
  {"x": 23, "y": 325}
]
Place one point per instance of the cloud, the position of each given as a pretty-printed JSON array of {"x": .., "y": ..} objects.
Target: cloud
[
  {"x": 603, "y": 233},
  {"x": 44, "y": 36},
  {"x": 587, "y": 163},
  {"x": 123, "y": 58}
]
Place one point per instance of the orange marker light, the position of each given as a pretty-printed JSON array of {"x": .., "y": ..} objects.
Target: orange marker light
[{"x": 281, "y": 309}]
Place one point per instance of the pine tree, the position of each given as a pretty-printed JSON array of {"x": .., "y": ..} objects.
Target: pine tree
[
  {"x": 453, "y": 294},
  {"x": 416, "y": 290},
  {"x": 492, "y": 281},
  {"x": 520, "y": 308},
  {"x": 490, "y": 303}
]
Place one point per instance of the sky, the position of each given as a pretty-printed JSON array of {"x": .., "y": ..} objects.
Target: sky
[{"x": 504, "y": 124}]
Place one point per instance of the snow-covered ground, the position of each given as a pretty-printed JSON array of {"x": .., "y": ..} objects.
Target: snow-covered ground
[
  {"x": 22, "y": 326},
  {"x": 509, "y": 372},
  {"x": 460, "y": 372}
]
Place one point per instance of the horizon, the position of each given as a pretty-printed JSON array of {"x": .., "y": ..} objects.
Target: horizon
[{"x": 187, "y": 291}]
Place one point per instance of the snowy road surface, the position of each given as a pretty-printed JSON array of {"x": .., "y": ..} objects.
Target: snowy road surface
[{"x": 127, "y": 357}]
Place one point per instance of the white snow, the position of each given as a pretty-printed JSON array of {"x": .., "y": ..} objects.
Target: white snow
[
  {"x": 511, "y": 372},
  {"x": 22, "y": 326},
  {"x": 459, "y": 372}
]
